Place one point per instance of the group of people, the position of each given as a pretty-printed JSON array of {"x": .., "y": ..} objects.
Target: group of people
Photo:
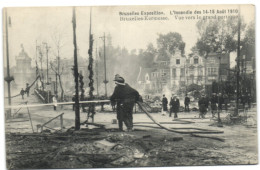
[
  {"x": 174, "y": 106},
  {"x": 217, "y": 102},
  {"x": 26, "y": 91}
]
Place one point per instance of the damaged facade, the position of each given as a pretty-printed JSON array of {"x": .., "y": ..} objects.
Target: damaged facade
[{"x": 178, "y": 71}]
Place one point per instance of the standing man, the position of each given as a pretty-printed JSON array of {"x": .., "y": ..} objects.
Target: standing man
[
  {"x": 213, "y": 104},
  {"x": 22, "y": 93},
  {"x": 174, "y": 106},
  {"x": 226, "y": 100},
  {"x": 125, "y": 97},
  {"x": 54, "y": 101},
  {"x": 27, "y": 90},
  {"x": 164, "y": 105},
  {"x": 203, "y": 106},
  {"x": 187, "y": 103}
]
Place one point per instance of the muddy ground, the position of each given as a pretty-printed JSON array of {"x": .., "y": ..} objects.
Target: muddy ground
[{"x": 147, "y": 145}]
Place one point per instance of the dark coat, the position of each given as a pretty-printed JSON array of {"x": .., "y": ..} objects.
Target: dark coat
[
  {"x": 220, "y": 100},
  {"x": 175, "y": 105},
  {"x": 22, "y": 92},
  {"x": 164, "y": 104},
  {"x": 124, "y": 93},
  {"x": 214, "y": 101},
  {"x": 187, "y": 100},
  {"x": 203, "y": 104},
  {"x": 125, "y": 97}
]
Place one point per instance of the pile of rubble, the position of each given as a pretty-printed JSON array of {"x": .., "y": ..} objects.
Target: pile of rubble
[{"x": 86, "y": 148}]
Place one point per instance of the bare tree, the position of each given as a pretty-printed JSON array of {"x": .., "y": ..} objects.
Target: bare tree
[
  {"x": 58, "y": 73},
  {"x": 58, "y": 37}
]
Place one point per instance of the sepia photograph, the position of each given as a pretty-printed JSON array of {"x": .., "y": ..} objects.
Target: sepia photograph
[{"x": 129, "y": 86}]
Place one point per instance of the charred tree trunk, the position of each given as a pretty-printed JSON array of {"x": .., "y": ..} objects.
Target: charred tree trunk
[
  {"x": 75, "y": 69},
  {"x": 91, "y": 111}
]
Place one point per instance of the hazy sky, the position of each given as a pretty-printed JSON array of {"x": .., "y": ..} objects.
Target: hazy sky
[{"x": 42, "y": 24}]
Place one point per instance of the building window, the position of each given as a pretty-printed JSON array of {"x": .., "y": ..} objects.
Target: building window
[
  {"x": 174, "y": 72},
  {"x": 212, "y": 71},
  {"x": 196, "y": 61},
  {"x": 163, "y": 73},
  {"x": 164, "y": 63},
  {"x": 178, "y": 61}
]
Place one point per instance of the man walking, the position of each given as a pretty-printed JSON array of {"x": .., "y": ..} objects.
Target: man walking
[
  {"x": 187, "y": 103},
  {"x": 164, "y": 105},
  {"x": 125, "y": 97},
  {"x": 174, "y": 106}
]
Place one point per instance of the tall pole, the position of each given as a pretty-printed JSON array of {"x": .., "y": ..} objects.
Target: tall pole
[
  {"x": 238, "y": 64},
  {"x": 97, "y": 69},
  {"x": 77, "y": 111},
  {"x": 105, "y": 67},
  {"x": 57, "y": 72},
  {"x": 90, "y": 66},
  {"x": 219, "y": 120},
  {"x": 42, "y": 77},
  {"x": 8, "y": 78},
  {"x": 47, "y": 57},
  {"x": 36, "y": 49}
]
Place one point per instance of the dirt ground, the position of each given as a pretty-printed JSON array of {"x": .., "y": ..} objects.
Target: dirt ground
[{"x": 147, "y": 145}]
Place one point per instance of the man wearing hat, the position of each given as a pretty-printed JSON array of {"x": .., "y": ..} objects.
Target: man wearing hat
[
  {"x": 125, "y": 97},
  {"x": 174, "y": 106}
]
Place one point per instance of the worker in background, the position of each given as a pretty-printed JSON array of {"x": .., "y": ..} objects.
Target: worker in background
[
  {"x": 54, "y": 101},
  {"x": 22, "y": 93},
  {"x": 203, "y": 106},
  {"x": 27, "y": 90},
  {"x": 226, "y": 100},
  {"x": 174, "y": 106},
  {"x": 164, "y": 105},
  {"x": 125, "y": 97},
  {"x": 187, "y": 103}
]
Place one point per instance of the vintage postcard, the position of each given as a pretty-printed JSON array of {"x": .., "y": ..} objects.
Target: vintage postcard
[{"x": 129, "y": 86}]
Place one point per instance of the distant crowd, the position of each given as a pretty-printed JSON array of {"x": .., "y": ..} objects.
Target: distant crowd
[{"x": 217, "y": 102}]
